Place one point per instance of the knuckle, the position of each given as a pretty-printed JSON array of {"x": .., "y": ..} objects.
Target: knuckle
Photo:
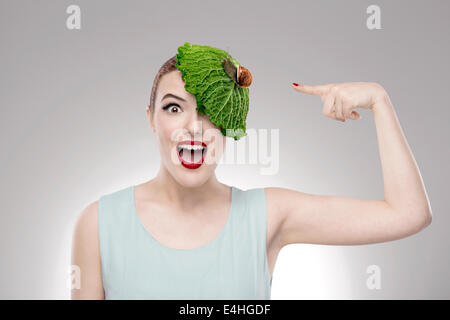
[
  {"x": 334, "y": 89},
  {"x": 345, "y": 96}
]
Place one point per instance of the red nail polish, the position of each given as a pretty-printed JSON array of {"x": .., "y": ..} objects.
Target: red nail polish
[{"x": 295, "y": 84}]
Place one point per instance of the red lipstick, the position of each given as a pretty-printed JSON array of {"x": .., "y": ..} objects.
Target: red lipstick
[{"x": 191, "y": 164}]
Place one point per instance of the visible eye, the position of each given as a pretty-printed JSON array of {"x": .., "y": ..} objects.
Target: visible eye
[{"x": 172, "y": 107}]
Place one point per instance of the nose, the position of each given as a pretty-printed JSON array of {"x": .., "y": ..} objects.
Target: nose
[{"x": 196, "y": 125}]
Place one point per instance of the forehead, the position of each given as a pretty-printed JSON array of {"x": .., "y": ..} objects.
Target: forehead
[{"x": 173, "y": 83}]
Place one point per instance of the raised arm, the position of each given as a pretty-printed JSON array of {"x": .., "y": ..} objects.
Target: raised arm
[
  {"x": 337, "y": 220},
  {"x": 86, "y": 255}
]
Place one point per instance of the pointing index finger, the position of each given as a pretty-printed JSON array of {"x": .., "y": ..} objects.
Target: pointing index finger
[{"x": 314, "y": 90}]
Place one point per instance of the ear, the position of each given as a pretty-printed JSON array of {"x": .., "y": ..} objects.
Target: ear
[{"x": 150, "y": 118}]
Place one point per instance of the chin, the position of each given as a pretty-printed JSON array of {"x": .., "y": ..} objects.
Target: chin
[
  {"x": 190, "y": 174},
  {"x": 192, "y": 180}
]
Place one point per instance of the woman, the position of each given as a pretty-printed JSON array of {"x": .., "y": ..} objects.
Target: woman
[{"x": 185, "y": 235}]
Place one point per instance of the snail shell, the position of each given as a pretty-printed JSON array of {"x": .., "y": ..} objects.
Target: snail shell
[
  {"x": 244, "y": 77},
  {"x": 241, "y": 75}
]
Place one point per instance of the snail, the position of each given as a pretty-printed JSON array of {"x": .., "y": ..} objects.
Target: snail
[{"x": 240, "y": 75}]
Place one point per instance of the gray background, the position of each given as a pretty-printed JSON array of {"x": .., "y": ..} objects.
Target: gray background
[{"x": 73, "y": 125}]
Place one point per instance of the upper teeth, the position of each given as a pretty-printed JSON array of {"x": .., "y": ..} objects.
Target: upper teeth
[{"x": 190, "y": 147}]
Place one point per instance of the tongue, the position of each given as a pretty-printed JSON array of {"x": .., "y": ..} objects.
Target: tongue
[{"x": 191, "y": 156}]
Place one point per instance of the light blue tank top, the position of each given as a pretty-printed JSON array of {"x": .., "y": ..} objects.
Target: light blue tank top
[{"x": 136, "y": 266}]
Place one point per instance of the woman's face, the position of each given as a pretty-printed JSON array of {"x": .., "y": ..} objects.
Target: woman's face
[{"x": 182, "y": 133}]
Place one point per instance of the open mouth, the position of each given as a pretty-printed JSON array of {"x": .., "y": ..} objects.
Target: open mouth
[{"x": 191, "y": 153}]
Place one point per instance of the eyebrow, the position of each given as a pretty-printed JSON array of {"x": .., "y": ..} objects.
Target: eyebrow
[{"x": 173, "y": 96}]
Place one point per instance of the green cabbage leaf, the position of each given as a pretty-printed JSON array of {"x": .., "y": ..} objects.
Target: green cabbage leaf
[{"x": 218, "y": 96}]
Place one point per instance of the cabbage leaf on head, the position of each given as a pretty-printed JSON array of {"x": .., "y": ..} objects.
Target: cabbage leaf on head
[{"x": 218, "y": 96}]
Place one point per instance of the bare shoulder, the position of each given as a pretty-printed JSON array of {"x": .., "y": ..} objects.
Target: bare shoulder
[
  {"x": 86, "y": 224},
  {"x": 277, "y": 200},
  {"x": 86, "y": 255}
]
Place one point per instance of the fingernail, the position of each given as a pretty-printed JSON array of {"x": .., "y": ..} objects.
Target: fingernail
[{"x": 295, "y": 84}]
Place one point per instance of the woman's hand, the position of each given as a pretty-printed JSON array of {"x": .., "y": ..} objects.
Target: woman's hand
[{"x": 339, "y": 99}]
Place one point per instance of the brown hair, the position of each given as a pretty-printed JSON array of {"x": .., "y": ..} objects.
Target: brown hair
[{"x": 168, "y": 66}]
